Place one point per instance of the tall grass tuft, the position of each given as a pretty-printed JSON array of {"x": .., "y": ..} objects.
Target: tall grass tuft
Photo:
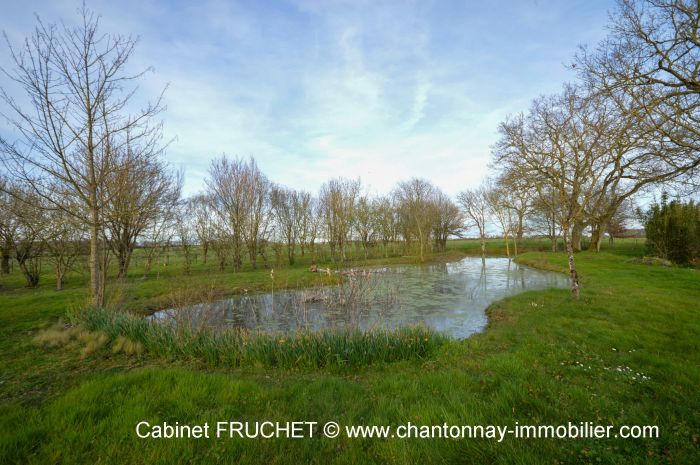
[{"x": 237, "y": 347}]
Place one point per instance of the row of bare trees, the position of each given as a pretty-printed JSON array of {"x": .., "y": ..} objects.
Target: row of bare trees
[
  {"x": 243, "y": 214},
  {"x": 630, "y": 123},
  {"x": 143, "y": 196}
]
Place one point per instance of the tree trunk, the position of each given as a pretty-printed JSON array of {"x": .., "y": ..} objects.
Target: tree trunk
[
  {"x": 123, "y": 262},
  {"x": 483, "y": 249},
  {"x": 253, "y": 255},
  {"x": 331, "y": 244},
  {"x": 5, "y": 263},
  {"x": 205, "y": 246},
  {"x": 575, "y": 238},
  {"x": 519, "y": 233},
  {"x": 573, "y": 274},
  {"x": 554, "y": 233},
  {"x": 420, "y": 240},
  {"x": 59, "y": 278},
  {"x": 31, "y": 277},
  {"x": 290, "y": 253},
  {"x": 104, "y": 269},
  {"x": 597, "y": 233},
  {"x": 147, "y": 265},
  {"x": 187, "y": 255},
  {"x": 93, "y": 191},
  {"x": 95, "y": 288}
]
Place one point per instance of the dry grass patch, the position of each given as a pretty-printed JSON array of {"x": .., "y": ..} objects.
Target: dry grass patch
[
  {"x": 57, "y": 335},
  {"x": 126, "y": 346},
  {"x": 63, "y": 334}
]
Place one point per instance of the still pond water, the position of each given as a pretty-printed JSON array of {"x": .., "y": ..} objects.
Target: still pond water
[{"x": 447, "y": 297}]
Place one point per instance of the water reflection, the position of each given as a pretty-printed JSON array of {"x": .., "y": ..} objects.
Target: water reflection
[{"x": 448, "y": 297}]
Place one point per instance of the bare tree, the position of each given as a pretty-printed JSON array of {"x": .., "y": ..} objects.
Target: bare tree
[
  {"x": 544, "y": 216},
  {"x": 517, "y": 196},
  {"x": 449, "y": 220},
  {"x": 28, "y": 220},
  {"x": 203, "y": 223},
  {"x": 186, "y": 230},
  {"x": 312, "y": 223},
  {"x": 220, "y": 244},
  {"x": 307, "y": 225},
  {"x": 648, "y": 65},
  {"x": 256, "y": 209},
  {"x": 365, "y": 222},
  {"x": 8, "y": 226},
  {"x": 227, "y": 193},
  {"x": 650, "y": 60},
  {"x": 157, "y": 237},
  {"x": 475, "y": 206},
  {"x": 336, "y": 208},
  {"x": 386, "y": 222},
  {"x": 637, "y": 158},
  {"x": 498, "y": 202},
  {"x": 414, "y": 200},
  {"x": 288, "y": 213},
  {"x": 75, "y": 79},
  {"x": 63, "y": 239},
  {"x": 560, "y": 147},
  {"x": 139, "y": 189},
  {"x": 238, "y": 194},
  {"x": 618, "y": 224}
]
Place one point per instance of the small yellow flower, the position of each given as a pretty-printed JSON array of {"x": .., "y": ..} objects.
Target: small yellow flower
[{"x": 281, "y": 341}]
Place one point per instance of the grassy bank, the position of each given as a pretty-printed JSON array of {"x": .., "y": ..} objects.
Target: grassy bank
[{"x": 625, "y": 354}]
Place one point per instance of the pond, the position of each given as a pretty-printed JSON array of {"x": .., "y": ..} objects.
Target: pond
[{"x": 448, "y": 297}]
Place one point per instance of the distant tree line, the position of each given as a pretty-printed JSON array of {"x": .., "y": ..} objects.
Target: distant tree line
[{"x": 243, "y": 212}]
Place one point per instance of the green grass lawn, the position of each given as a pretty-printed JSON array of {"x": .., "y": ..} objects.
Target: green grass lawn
[{"x": 544, "y": 359}]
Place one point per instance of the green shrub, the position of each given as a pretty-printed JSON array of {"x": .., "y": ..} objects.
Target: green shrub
[{"x": 673, "y": 230}]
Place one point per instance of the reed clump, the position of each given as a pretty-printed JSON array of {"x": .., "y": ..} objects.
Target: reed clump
[
  {"x": 237, "y": 347},
  {"x": 66, "y": 334}
]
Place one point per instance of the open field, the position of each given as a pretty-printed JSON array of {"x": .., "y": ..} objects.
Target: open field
[{"x": 625, "y": 354}]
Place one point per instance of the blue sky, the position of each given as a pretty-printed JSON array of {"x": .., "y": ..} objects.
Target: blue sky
[{"x": 316, "y": 89}]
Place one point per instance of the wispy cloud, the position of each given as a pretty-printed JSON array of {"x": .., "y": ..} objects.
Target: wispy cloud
[{"x": 316, "y": 89}]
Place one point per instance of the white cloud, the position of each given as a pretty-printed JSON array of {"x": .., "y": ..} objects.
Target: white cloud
[{"x": 380, "y": 90}]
